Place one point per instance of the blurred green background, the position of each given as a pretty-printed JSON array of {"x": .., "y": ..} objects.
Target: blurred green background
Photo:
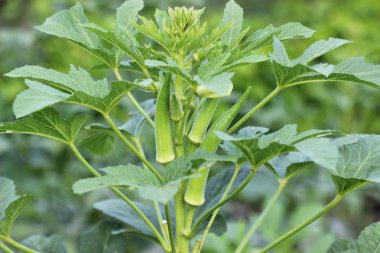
[{"x": 47, "y": 169}]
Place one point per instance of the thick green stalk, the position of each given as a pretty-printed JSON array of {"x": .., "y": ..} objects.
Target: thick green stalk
[
  {"x": 254, "y": 109},
  {"x": 134, "y": 101},
  {"x": 123, "y": 197},
  {"x": 17, "y": 245},
  {"x": 196, "y": 186},
  {"x": 180, "y": 214},
  {"x": 132, "y": 148},
  {"x": 5, "y": 248},
  {"x": 202, "y": 120},
  {"x": 261, "y": 218},
  {"x": 215, "y": 213},
  {"x": 284, "y": 237},
  {"x": 163, "y": 132}
]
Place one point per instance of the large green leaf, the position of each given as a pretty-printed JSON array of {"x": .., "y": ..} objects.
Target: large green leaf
[
  {"x": 101, "y": 238},
  {"x": 288, "y": 165},
  {"x": 51, "y": 244},
  {"x": 368, "y": 242},
  {"x": 47, "y": 123},
  {"x": 11, "y": 205},
  {"x": 264, "y": 37},
  {"x": 215, "y": 86},
  {"x": 141, "y": 179},
  {"x": 98, "y": 139},
  {"x": 259, "y": 147},
  {"x": 359, "y": 160},
  {"x": 35, "y": 98},
  {"x": 292, "y": 72},
  {"x": 121, "y": 211},
  {"x": 77, "y": 80},
  {"x": 68, "y": 24},
  {"x": 233, "y": 17}
]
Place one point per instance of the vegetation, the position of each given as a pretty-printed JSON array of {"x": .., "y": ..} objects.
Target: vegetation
[{"x": 187, "y": 68}]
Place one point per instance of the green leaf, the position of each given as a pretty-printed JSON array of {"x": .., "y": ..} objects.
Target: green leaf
[
  {"x": 8, "y": 194},
  {"x": 359, "y": 160},
  {"x": 368, "y": 242},
  {"x": 177, "y": 169},
  {"x": 171, "y": 66},
  {"x": 141, "y": 179},
  {"x": 215, "y": 86},
  {"x": 343, "y": 246},
  {"x": 101, "y": 238},
  {"x": 77, "y": 80},
  {"x": 233, "y": 17},
  {"x": 51, "y": 244},
  {"x": 212, "y": 66},
  {"x": 68, "y": 24},
  {"x": 121, "y": 211},
  {"x": 98, "y": 140},
  {"x": 126, "y": 14},
  {"x": 37, "y": 97},
  {"x": 264, "y": 37},
  {"x": 47, "y": 123},
  {"x": 259, "y": 147},
  {"x": 292, "y": 72},
  {"x": 11, "y": 205},
  {"x": 346, "y": 185},
  {"x": 288, "y": 165},
  {"x": 122, "y": 175}
]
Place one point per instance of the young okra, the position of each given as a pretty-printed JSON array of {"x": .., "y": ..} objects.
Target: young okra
[
  {"x": 163, "y": 132},
  {"x": 195, "y": 192}
]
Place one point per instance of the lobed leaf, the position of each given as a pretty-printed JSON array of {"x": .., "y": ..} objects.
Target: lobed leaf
[
  {"x": 368, "y": 242},
  {"x": 292, "y": 72},
  {"x": 51, "y": 244},
  {"x": 11, "y": 205},
  {"x": 233, "y": 17},
  {"x": 47, "y": 123}
]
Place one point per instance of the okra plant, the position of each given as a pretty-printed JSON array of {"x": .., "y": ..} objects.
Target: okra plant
[{"x": 187, "y": 69}]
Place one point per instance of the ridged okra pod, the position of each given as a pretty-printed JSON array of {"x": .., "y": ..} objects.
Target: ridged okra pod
[
  {"x": 195, "y": 192},
  {"x": 176, "y": 111},
  {"x": 163, "y": 133},
  {"x": 202, "y": 120}
]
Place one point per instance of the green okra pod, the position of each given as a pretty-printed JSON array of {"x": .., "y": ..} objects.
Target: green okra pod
[
  {"x": 176, "y": 111},
  {"x": 163, "y": 133},
  {"x": 202, "y": 120},
  {"x": 195, "y": 192}
]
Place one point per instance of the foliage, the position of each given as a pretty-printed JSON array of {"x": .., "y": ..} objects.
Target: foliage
[{"x": 187, "y": 68}]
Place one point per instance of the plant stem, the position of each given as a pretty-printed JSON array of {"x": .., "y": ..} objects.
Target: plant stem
[
  {"x": 180, "y": 214},
  {"x": 132, "y": 148},
  {"x": 261, "y": 218},
  {"x": 5, "y": 248},
  {"x": 170, "y": 227},
  {"x": 83, "y": 160},
  {"x": 254, "y": 109},
  {"x": 134, "y": 101},
  {"x": 215, "y": 213},
  {"x": 122, "y": 196},
  {"x": 17, "y": 245},
  {"x": 181, "y": 132},
  {"x": 284, "y": 237},
  {"x": 161, "y": 221}
]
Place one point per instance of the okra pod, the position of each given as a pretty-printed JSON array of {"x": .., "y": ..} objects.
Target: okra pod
[
  {"x": 163, "y": 133},
  {"x": 202, "y": 120},
  {"x": 176, "y": 111},
  {"x": 195, "y": 192}
]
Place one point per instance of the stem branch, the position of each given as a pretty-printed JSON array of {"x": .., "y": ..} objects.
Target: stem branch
[
  {"x": 134, "y": 101},
  {"x": 261, "y": 218},
  {"x": 254, "y": 109},
  {"x": 132, "y": 148},
  {"x": 284, "y": 237},
  {"x": 17, "y": 245}
]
